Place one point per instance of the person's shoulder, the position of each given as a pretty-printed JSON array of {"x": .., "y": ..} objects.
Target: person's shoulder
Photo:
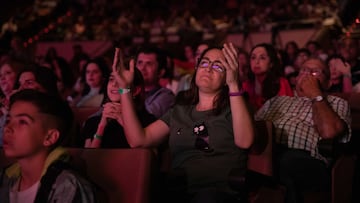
[
  {"x": 283, "y": 80},
  {"x": 279, "y": 98},
  {"x": 75, "y": 185},
  {"x": 337, "y": 99},
  {"x": 95, "y": 118},
  {"x": 164, "y": 90},
  {"x": 246, "y": 84},
  {"x": 162, "y": 94},
  {"x": 71, "y": 177}
]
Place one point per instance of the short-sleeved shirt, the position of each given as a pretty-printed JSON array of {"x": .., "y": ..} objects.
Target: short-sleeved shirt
[
  {"x": 294, "y": 124},
  {"x": 203, "y": 169},
  {"x": 159, "y": 100}
]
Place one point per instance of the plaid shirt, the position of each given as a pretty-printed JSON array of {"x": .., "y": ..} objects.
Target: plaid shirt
[{"x": 294, "y": 124}]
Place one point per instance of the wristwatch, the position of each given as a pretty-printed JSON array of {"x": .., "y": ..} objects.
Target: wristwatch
[{"x": 317, "y": 99}]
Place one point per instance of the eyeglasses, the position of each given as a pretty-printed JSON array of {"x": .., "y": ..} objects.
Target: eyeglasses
[
  {"x": 313, "y": 72},
  {"x": 202, "y": 138},
  {"x": 214, "y": 65}
]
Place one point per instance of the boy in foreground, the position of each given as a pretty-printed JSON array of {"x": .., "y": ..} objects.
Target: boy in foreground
[{"x": 35, "y": 128}]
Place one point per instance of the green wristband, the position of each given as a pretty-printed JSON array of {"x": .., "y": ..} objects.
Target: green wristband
[
  {"x": 123, "y": 90},
  {"x": 97, "y": 136}
]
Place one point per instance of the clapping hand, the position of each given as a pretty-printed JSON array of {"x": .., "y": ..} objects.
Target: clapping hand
[
  {"x": 231, "y": 64},
  {"x": 123, "y": 76}
]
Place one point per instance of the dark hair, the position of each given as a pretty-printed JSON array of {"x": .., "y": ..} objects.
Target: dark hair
[
  {"x": 271, "y": 84},
  {"x": 315, "y": 43},
  {"x": 291, "y": 43},
  {"x": 303, "y": 50},
  {"x": 101, "y": 63},
  {"x": 67, "y": 75},
  {"x": 50, "y": 105},
  {"x": 335, "y": 56},
  {"x": 191, "y": 96},
  {"x": 44, "y": 76},
  {"x": 160, "y": 55}
]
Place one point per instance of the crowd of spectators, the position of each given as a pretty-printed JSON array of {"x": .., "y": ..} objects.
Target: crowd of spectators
[
  {"x": 108, "y": 19},
  {"x": 223, "y": 80}
]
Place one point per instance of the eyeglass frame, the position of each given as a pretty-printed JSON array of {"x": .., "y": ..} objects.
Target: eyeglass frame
[
  {"x": 313, "y": 72},
  {"x": 218, "y": 68}
]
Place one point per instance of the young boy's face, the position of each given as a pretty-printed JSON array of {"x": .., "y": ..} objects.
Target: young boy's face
[{"x": 24, "y": 132}]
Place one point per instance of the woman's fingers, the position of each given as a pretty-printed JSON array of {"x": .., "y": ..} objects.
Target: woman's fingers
[
  {"x": 230, "y": 54},
  {"x": 115, "y": 61},
  {"x": 132, "y": 66},
  {"x": 231, "y": 49}
]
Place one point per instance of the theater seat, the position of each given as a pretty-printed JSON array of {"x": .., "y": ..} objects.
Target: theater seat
[
  {"x": 83, "y": 113},
  {"x": 259, "y": 181},
  {"x": 123, "y": 175},
  {"x": 260, "y": 156},
  {"x": 342, "y": 172}
]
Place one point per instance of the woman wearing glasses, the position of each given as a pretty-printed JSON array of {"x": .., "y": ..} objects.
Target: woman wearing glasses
[
  {"x": 265, "y": 78},
  {"x": 206, "y": 139}
]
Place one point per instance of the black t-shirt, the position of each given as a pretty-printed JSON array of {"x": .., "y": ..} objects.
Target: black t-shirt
[{"x": 114, "y": 136}]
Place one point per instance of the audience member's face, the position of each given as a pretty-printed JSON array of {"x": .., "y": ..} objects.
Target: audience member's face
[
  {"x": 334, "y": 73},
  {"x": 94, "y": 76},
  {"x": 349, "y": 49},
  {"x": 314, "y": 68},
  {"x": 243, "y": 65},
  {"x": 148, "y": 66},
  {"x": 242, "y": 59},
  {"x": 312, "y": 48},
  {"x": 7, "y": 79},
  {"x": 112, "y": 89},
  {"x": 291, "y": 49},
  {"x": 300, "y": 59},
  {"x": 27, "y": 81},
  {"x": 24, "y": 131},
  {"x": 259, "y": 61},
  {"x": 210, "y": 73}
]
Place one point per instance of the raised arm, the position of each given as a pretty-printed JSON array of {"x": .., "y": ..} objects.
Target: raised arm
[
  {"x": 242, "y": 121},
  {"x": 135, "y": 134},
  {"x": 345, "y": 69},
  {"x": 327, "y": 122}
]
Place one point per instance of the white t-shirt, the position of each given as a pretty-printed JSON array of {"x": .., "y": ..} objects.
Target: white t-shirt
[{"x": 27, "y": 195}]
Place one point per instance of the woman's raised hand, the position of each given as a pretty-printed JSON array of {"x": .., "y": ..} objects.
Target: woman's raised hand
[
  {"x": 231, "y": 64},
  {"x": 123, "y": 76}
]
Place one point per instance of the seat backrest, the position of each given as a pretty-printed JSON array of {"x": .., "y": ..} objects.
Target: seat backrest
[
  {"x": 83, "y": 113},
  {"x": 261, "y": 153},
  {"x": 342, "y": 175},
  {"x": 123, "y": 175}
]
